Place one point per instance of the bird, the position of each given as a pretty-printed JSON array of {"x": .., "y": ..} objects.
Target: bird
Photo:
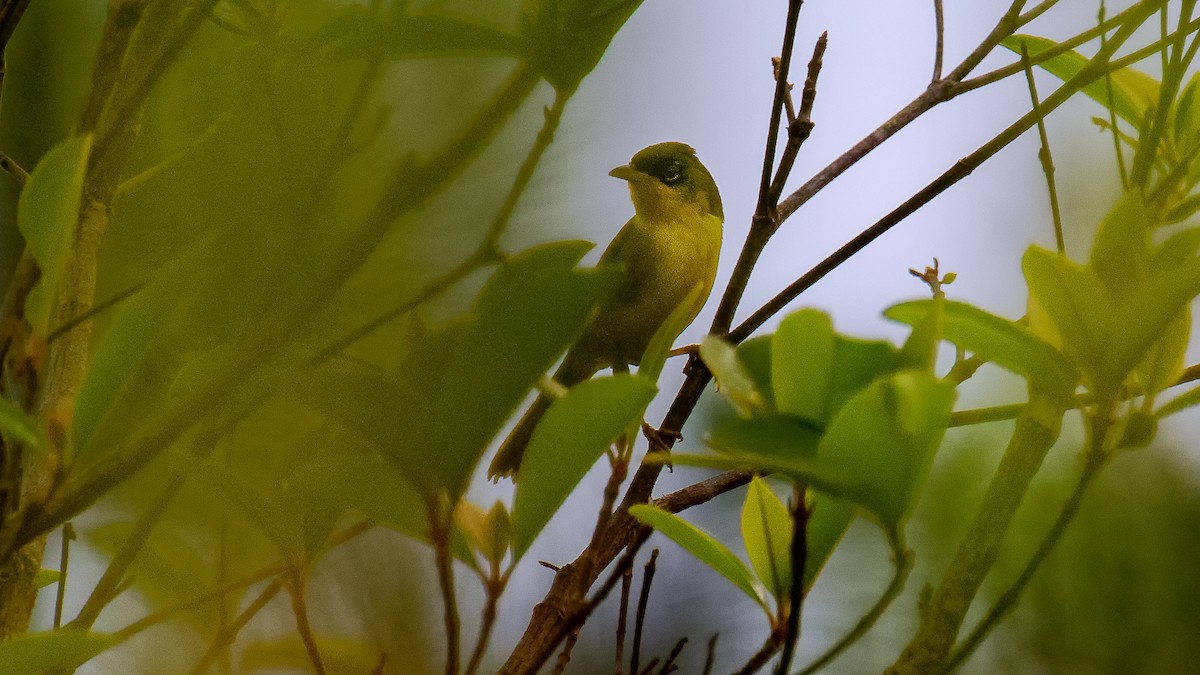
[{"x": 668, "y": 248}]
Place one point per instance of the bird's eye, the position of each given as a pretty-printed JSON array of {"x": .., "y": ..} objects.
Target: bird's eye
[{"x": 673, "y": 173}]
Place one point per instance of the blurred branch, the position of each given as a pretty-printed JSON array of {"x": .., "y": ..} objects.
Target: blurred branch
[
  {"x": 639, "y": 621},
  {"x": 225, "y": 638},
  {"x": 295, "y": 587},
  {"x": 441, "y": 529},
  {"x": 799, "y": 555},
  {"x": 1093, "y": 462},
  {"x": 1047, "y": 160},
  {"x": 13, "y": 169}
]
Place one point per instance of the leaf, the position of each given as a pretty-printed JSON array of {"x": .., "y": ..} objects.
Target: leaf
[
  {"x": 1187, "y": 399},
  {"x": 1146, "y": 315},
  {"x": 568, "y": 37},
  {"x": 46, "y": 215},
  {"x": 920, "y": 349},
  {"x": 1177, "y": 250},
  {"x": 573, "y": 434},
  {"x": 47, "y": 577},
  {"x": 1187, "y": 115},
  {"x": 999, "y": 340},
  {"x": 828, "y": 521},
  {"x": 487, "y": 532},
  {"x": 733, "y": 380},
  {"x": 1121, "y": 250},
  {"x": 885, "y": 437},
  {"x": 1077, "y": 303},
  {"x": 1165, "y": 361},
  {"x": 655, "y": 356},
  {"x": 287, "y": 653},
  {"x": 359, "y": 35},
  {"x": 18, "y": 424},
  {"x": 767, "y": 532},
  {"x": 1133, "y": 92},
  {"x": 825, "y": 476},
  {"x": 801, "y": 361},
  {"x": 706, "y": 549},
  {"x": 39, "y": 653}
]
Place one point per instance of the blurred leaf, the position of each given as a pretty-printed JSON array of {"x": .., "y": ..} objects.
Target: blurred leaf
[
  {"x": 828, "y": 521},
  {"x": 1120, "y": 251},
  {"x": 801, "y": 361},
  {"x": 1133, "y": 92},
  {"x": 568, "y": 37},
  {"x": 358, "y": 34},
  {"x": 47, "y": 577},
  {"x": 733, "y": 380},
  {"x": 454, "y": 390},
  {"x": 1177, "y": 250},
  {"x": 1184, "y": 209},
  {"x": 1077, "y": 303},
  {"x": 18, "y": 424},
  {"x": 857, "y": 363},
  {"x": 277, "y": 521},
  {"x": 40, "y": 653},
  {"x": 574, "y": 433},
  {"x": 777, "y": 436},
  {"x": 1187, "y": 115},
  {"x": 885, "y": 437},
  {"x": 706, "y": 549},
  {"x": 767, "y": 532},
  {"x": 488, "y": 533},
  {"x": 46, "y": 215},
  {"x": 755, "y": 355},
  {"x": 999, "y": 340},
  {"x": 655, "y": 356},
  {"x": 1187, "y": 399},
  {"x": 920, "y": 349},
  {"x": 824, "y": 476},
  {"x": 1145, "y": 317},
  {"x": 287, "y": 652},
  {"x": 1165, "y": 361},
  {"x": 1138, "y": 430}
]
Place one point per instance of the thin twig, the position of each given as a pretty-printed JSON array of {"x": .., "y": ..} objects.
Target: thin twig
[
  {"x": 710, "y": 655},
  {"x": 440, "y": 532},
  {"x": 801, "y": 125},
  {"x": 939, "y": 23},
  {"x": 68, "y": 534},
  {"x": 564, "y": 656},
  {"x": 799, "y": 552},
  {"x": 639, "y": 621},
  {"x": 903, "y": 564},
  {"x": 669, "y": 666},
  {"x": 1112, "y": 109},
  {"x": 296, "y": 586},
  {"x": 10, "y": 165},
  {"x": 493, "y": 588},
  {"x": 1044, "y": 156},
  {"x": 760, "y": 658},
  {"x": 226, "y": 637},
  {"x": 623, "y": 620}
]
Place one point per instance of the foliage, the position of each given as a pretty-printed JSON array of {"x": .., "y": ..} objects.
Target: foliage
[{"x": 230, "y": 346}]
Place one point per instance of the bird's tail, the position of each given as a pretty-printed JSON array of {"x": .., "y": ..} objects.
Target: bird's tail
[{"x": 508, "y": 457}]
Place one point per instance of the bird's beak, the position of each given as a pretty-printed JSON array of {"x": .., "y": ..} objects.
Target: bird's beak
[{"x": 627, "y": 172}]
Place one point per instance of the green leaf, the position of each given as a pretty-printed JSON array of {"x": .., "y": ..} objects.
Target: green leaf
[
  {"x": 288, "y": 653},
  {"x": 18, "y": 424},
  {"x": 999, "y": 340},
  {"x": 755, "y": 355},
  {"x": 1187, "y": 115},
  {"x": 568, "y": 37},
  {"x": 46, "y": 577},
  {"x": 767, "y": 532},
  {"x": 40, "y": 653},
  {"x": 1133, "y": 92},
  {"x": 1165, "y": 361},
  {"x": 1187, "y": 399},
  {"x": 825, "y": 476},
  {"x": 828, "y": 521},
  {"x": 857, "y": 363},
  {"x": 775, "y": 436},
  {"x": 801, "y": 361},
  {"x": 359, "y": 35},
  {"x": 920, "y": 349},
  {"x": 733, "y": 380},
  {"x": 1138, "y": 430},
  {"x": 885, "y": 437},
  {"x": 706, "y": 549},
  {"x": 1077, "y": 303},
  {"x": 1121, "y": 250},
  {"x": 1177, "y": 250},
  {"x": 655, "y": 356},
  {"x": 1146, "y": 316},
  {"x": 574, "y": 433},
  {"x": 46, "y": 215}
]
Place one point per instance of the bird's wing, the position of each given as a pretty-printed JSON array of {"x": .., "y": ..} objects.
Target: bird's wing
[{"x": 618, "y": 253}]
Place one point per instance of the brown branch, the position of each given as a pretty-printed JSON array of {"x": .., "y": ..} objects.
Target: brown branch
[
  {"x": 939, "y": 26},
  {"x": 226, "y": 637},
  {"x": 799, "y": 551},
  {"x": 640, "y": 618}
]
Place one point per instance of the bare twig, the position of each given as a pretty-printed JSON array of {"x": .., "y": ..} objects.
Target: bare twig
[
  {"x": 9, "y": 165},
  {"x": 623, "y": 620},
  {"x": 639, "y": 621},
  {"x": 799, "y": 552},
  {"x": 760, "y": 658},
  {"x": 668, "y": 665},
  {"x": 226, "y": 637},
  {"x": 296, "y": 586},
  {"x": 939, "y": 25},
  {"x": 68, "y": 534},
  {"x": 441, "y": 528},
  {"x": 710, "y": 656},
  {"x": 1044, "y": 155},
  {"x": 1112, "y": 109},
  {"x": 564, "y": 656}
]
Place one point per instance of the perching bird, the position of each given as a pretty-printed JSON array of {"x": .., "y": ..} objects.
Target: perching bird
[{"x": 669, "y": 246}]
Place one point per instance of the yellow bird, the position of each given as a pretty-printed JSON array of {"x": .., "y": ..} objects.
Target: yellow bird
[{"x": 669, "y": 246}]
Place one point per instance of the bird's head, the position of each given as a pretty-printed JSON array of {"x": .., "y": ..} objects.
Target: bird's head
[{"x": 668, "y": 182}]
